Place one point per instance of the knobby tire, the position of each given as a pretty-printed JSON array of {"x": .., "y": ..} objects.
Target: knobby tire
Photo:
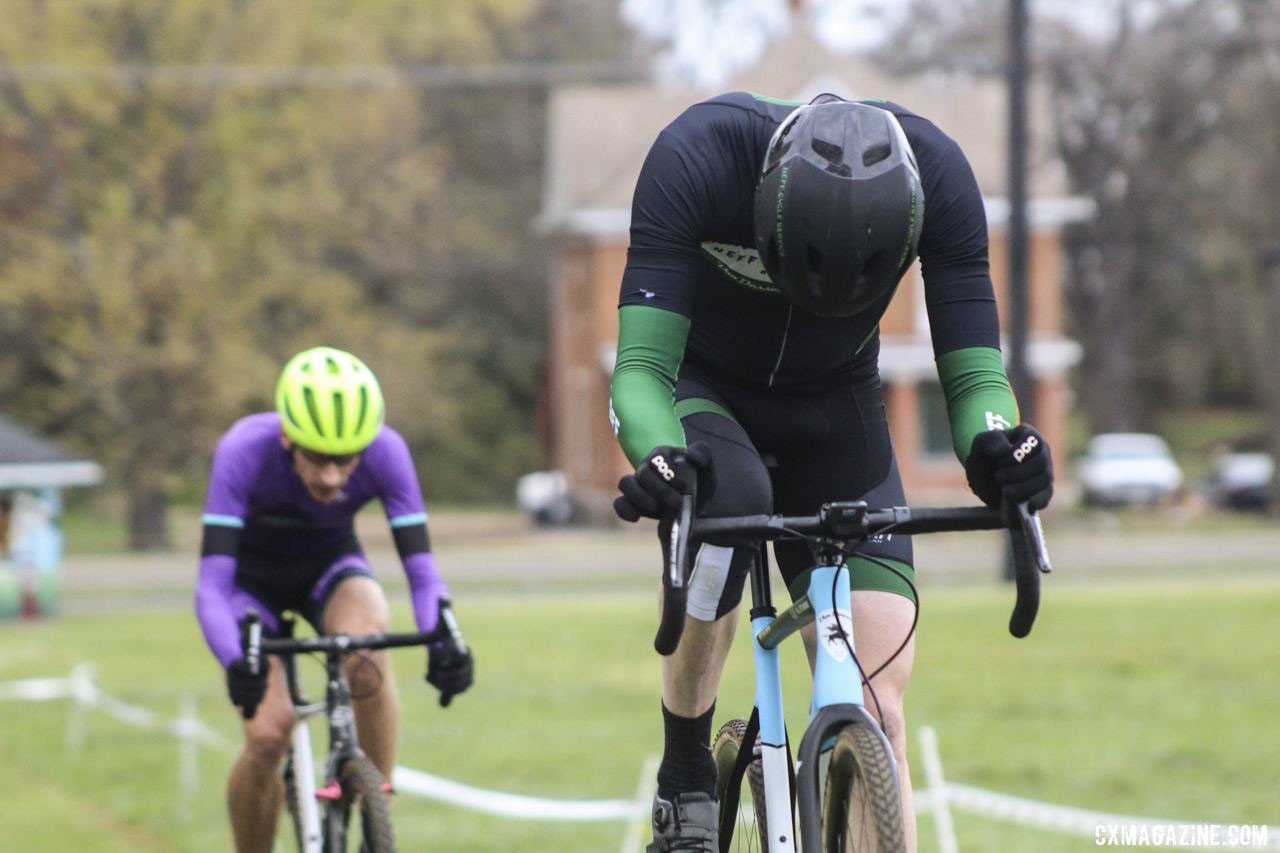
[
  {"x": 361, "y": 791},
  {"x": 861, "y": 805},
  {"x": 749, "y": 834}
]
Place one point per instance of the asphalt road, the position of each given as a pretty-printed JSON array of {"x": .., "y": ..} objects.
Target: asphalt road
[{"x": 500, "y": 552}]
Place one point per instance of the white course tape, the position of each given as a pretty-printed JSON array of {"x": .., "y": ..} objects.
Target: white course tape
[
  {"x": 409, "y": 781},
  {"x": 81, "y": 690},
  {"x": 1065, "y": 819},
  {"x": 37, "y": 689}
]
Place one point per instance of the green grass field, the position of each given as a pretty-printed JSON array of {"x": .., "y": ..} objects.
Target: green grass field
[{"x": 1151, "y": 699}]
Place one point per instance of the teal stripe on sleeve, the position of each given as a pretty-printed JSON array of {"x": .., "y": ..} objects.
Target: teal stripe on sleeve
[
  {"x": 216, "y": 520},
  {"x": 408, "y": 520}
]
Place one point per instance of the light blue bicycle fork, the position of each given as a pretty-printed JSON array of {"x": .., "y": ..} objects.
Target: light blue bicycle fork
[
  {"x": 837, "y": 702},
  {"x": 773, "y": 742}
]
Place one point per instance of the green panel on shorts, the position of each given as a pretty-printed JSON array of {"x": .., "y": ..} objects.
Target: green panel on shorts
[
  {"x": 865, "y": 573},
  {"x": 695, "y": 405}
]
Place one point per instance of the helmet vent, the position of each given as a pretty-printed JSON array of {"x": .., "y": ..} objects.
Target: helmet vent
[
  {"x": 876, "y": 153},
  {"x": 829, "y": 151},
  {"x": 364, "y": 408},
  {"x": 338, "y": 418},
  {"x": 309, "y": 397},
  {"x": 776, "y": 155},
  {"x": 834, "y": 155}
]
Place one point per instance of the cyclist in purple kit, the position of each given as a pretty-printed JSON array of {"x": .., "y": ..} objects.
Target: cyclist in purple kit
[{"x": 279, "y": 535}]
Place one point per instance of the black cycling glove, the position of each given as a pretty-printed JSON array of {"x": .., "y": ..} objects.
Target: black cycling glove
[
  {"x": 245, "y": 687},
  {"x": 1008, "y": 467},
  {"x": 450, "y": 670},
  {"x": 667, "y": 473}
]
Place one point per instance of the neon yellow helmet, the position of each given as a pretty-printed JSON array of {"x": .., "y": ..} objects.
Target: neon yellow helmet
[{"x": 329, "y": 402}]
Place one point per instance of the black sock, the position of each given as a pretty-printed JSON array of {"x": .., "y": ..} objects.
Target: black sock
[{"x": 687, "y": 764}]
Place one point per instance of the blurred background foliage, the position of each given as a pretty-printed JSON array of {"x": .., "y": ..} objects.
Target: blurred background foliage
[
  {"x": 192, "y": 190},
  {"x": 1167, "y": 116}
]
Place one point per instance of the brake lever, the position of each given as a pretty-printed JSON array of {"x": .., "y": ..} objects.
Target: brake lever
[
  {"x": 1033, "y": 532},
  {"x": 680, "y": 543},
  {"x": 671, "y": 624},
  {"x": 251, "y": 641},
  {"x": 451, "y": 622}
]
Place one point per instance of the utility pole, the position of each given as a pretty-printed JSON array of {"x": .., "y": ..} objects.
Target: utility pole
[{"x": 1016, "y": 285}]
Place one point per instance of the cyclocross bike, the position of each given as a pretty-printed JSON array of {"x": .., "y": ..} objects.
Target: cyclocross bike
[
  {"x": 844, "y": 755},
  {"x": 352, "y": 782}
]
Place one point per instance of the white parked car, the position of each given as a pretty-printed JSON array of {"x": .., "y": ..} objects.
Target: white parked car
[{"x": 1122, "y": 468}]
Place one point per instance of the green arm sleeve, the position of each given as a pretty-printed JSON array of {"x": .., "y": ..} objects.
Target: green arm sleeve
[
  {"x": 642, "y": 406},
  {"x": 978, "y": 394}
]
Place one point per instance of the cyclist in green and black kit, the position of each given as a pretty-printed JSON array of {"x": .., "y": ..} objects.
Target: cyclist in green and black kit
[{"x": 767, "y": 239}]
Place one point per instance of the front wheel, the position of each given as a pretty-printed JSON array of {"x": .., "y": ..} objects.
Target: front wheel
[
  {"x": 861, "y": 806},
  {"x": 361, "y": 791},
  {"x": 746, "y": 828}
]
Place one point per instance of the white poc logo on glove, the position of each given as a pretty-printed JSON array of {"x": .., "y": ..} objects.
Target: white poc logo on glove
[
  {"x": 1022, "y": 451},
  {"x": 664, "y": 469}
]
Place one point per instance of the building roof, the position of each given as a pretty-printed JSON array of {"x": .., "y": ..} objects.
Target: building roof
[
  {"x": 598, "y": 135},
  {"x": 29, "y": 460}
]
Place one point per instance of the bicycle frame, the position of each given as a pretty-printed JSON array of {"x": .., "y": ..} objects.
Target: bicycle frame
[
  {"x": 342, "y": 744},
  {"x": 301, "y": 762},
  {"x": 836, "y": 700}
]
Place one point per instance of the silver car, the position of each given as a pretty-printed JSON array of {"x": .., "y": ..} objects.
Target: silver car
[{"x": 1127, "y": 468}]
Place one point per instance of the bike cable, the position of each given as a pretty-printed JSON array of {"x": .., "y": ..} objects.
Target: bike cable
[
  {"x": 365, "y": 659},
  {"x": 846, "y": 635}
]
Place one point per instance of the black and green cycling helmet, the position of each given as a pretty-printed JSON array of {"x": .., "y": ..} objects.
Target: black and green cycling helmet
[{"x": 838, "y": 207}]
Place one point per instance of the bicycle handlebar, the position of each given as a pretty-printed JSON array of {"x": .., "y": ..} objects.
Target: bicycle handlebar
[
  {"x": 255, "y": 645},
  {"x": 850, "y": 522}
]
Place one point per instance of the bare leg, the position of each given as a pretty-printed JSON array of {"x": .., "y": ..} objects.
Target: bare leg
[
  {"x": 691, "y": 675},
  {"x": 255, "y": 788},
  {"x": 358, "y": 606}
]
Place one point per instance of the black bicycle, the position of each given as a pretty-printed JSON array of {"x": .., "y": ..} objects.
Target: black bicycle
[
  {"x": 845, "y": 778},
  {"x": 321, "y": 815}
]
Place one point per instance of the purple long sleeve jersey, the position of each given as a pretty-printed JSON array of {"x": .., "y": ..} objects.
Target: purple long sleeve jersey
[{"x": 257, "y": 501}]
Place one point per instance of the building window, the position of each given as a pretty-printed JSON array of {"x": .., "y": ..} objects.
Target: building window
[{"x": 935, "y": 428}]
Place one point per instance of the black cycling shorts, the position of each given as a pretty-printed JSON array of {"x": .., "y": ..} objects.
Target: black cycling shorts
[
  {"x": 828, "y": 445},
  {"x": 301, "y": 583}
]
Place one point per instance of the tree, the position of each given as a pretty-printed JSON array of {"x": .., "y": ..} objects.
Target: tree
[
  {"x": 171, "y": 237},
  {"x": 1150, "y": 120}
]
